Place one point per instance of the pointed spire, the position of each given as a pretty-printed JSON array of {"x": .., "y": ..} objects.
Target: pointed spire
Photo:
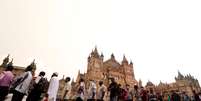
[
  {"x": 7, "y": 58},
  {"x": 131, "y": 63},
  {"x": 180, "y": 76},
  {"x": 112, "y": 56},
  {"x": 89, "y": 58},
  {"x": 95, "y": 50},
  {"x": 33, "y": 64},
  {"x": 5, "y": 61},
  {"x": 92, "y": 53},
  {"x": 102, "y": 54},
  {"x": 124, "y": 60},
  {"x": 95, "y": 53},
  {"x": 10, "y": 63}
]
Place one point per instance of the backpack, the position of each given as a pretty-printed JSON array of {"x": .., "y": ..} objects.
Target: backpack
[
  {"x": 42, "y": 85},
  {"x": 17, "y": 82}
]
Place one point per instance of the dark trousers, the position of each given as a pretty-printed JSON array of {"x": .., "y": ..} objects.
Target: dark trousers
[
  {"x": 17, "y": 96},
  {"x": 3, "y": 92},
  {"x": 130, "y": 100},
  {"x": 78, "y": 99},
  {"x": 34, "y": 95},
  {"x": 90, "y": 99},
  {"x": 99, "y": 100}
]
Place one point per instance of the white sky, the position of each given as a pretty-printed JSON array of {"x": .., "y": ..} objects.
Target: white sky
[{"x": 160, "y": 37}]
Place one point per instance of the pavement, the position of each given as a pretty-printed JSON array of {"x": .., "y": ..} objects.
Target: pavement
[{"x": 10, "y": 96}]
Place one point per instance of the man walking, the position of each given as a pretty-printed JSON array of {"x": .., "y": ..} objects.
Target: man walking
[
  {"x": 6, "y": 78},
  {"x": 53, "y": 87},
  {"x": 67, "y": 89},
  {"x": 23, "y": 84},
  {"x": 101, "y": 91}
]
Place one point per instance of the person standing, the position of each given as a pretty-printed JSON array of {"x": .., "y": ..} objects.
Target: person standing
[
  {"x": 53, "y": 87},
  {"x": 92, "y": 91},
  {"x": 152, "y": 96},
  {"x": 195, "y": 96},
  {"x": 81, "y": 90},
  {"x": 6, "y": 78},
  {"x": 23, "y": 86},
  {"x": 67, "y": 89},
  {"x": 143, "y": 94},
  {"x": 185, "y": 97},
  {"x": 101, "y": 91},
  {"x": 113, "y": 90},
  {"x": 38, "y": 88},
  {"x": 137, "y": 94},
  {"x": 129, "y": 95},
  {"x": 175, "y": 96}
]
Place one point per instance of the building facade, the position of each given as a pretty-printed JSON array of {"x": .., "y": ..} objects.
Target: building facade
[
  {"x": 182, "y": 84},
  {"x": 17, "y": 69},
  {"x": 98, "y": 69}
]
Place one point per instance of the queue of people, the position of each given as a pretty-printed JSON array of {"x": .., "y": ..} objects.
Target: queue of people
[
  {"x": 40, "y": 89},
  {"x": 35, "y": 88}
]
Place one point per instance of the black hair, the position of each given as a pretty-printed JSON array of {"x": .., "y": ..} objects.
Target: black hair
[
  {"x": 67, "y": 79},
  {"x": 100, "y": 82},
  {"x": 9, "y": 68},
  {"x": 54, "y": 74},
  {"x": 81, "y": 80},
  {"x": 135, "y": 87},
  {"x": 42, "y": 73},
  {"x": 29, "y": 68}
]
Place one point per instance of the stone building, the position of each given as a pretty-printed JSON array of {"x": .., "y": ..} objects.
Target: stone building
[
  {"x": 182, "y": 84},
  {"x": 98, "y": 69},
  {"x": 17, "y": 69}
]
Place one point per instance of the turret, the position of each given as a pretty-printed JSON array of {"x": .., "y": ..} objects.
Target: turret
[
  {"x": 5, "y": 61},
  {"x": 10, "y": 63},
  {"x": 131, "y": 63},
  {"x": 112, "y": 57},
  {"x": 33, "y": 65},
  {"x": 180, "y": 76},
  {"x": 102, "y": 56},
  {"x": 124, "y": 61},
  {"x": 95, "y": 53},
  {"x": 89, "y": 58}
]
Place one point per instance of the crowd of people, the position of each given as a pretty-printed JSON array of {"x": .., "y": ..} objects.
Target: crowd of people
[{"x": 40, "y": 89}]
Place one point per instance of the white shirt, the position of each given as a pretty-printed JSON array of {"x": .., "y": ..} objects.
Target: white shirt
[
  {"x": 37, "y": 79},
  {"x": 101, "y": 89},
  {"x": 67, "y": 87},
  {"x": 81, "y": 95},
  {"x": 24, "y": 86},
  {"x": 92, "y": 89},
  {"x": 53, "y": 88}
]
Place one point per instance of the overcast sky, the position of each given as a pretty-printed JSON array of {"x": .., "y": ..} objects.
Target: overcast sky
[{"x": 159, "y": 36}]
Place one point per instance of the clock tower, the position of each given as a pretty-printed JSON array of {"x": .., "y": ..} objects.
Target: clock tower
[{"x": 95, "y": 65}]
